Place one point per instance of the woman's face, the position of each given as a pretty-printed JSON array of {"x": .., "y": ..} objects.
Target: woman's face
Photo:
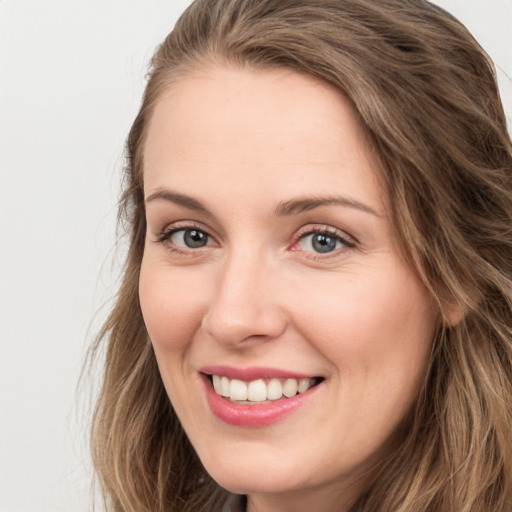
[{"x": 269, "y": 268}]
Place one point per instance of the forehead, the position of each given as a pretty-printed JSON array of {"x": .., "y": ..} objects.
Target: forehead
[{"x": 270, "y": 128}]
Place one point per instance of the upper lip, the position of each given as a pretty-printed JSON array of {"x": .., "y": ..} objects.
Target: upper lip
[{"x": 252, "y": 373}]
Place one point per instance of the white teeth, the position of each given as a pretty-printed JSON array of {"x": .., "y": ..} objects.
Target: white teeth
[
  {"x": 217, "y": 384},
  {"x": 224, "y": 386},
  {"x": 238, "y": 390},
  {"x": 258, "y": 390},
  {"x": 290, "y": 388},
  {"x": 304, "y": 385},
  {"x": 274, "y": 390}
]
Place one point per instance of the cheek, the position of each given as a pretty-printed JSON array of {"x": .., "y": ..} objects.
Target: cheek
[
  {"x": 376, "y": 329},
  {"x": 172, "y": 309}
]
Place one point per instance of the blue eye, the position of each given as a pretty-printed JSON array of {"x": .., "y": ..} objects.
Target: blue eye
[
  {"x": 322, "y": 242},
  {"x": 189, "y": 238}
]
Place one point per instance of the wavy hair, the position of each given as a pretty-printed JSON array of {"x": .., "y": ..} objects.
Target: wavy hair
[{"x": 426, "y": 96}]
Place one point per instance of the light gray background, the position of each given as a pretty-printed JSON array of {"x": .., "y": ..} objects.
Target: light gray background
[{"x": 71, "y": 77}]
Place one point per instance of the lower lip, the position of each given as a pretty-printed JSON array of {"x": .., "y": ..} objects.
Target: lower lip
[{"x": 261, "y": 415}]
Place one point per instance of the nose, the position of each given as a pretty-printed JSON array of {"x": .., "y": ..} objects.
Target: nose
[{"x": 244, "y": 308}]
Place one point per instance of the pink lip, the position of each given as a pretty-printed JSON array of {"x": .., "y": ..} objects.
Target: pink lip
[
  {"x": 242, "y": 415},
  {"x": 249, "y": 374}
]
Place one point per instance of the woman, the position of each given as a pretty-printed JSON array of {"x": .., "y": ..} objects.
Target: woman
[{"x": 316, "y": 306}]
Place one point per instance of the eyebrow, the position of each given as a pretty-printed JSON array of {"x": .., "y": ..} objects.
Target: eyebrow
[
  {"x": 179, "y": 199},
  {"x": 300, "y": 205},
  {"x": 285, "y": 208}
]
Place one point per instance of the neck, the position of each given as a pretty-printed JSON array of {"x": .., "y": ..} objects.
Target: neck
[{"x": 305, "y": 500}]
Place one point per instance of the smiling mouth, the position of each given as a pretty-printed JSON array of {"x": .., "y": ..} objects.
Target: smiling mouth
[{"x": 260, "y": 391}]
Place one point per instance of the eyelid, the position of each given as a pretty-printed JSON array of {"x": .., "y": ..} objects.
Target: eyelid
[
  {"x": 325, "y": 229},
  {"x": 347, "y": 240},
  {"x": 163, "y": 237}
]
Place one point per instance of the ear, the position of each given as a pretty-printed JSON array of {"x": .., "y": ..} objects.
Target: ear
[
  {"x": 453, "y": 315},
  {"x": 454, "y": 312}
]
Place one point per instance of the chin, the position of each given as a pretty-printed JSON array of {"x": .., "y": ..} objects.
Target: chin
[
  {"x": 250, "y": 476},
  {"x": 255, "y": 483}
]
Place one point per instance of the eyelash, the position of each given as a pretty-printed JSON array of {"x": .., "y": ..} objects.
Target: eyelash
[
  {"x": 347, "y": 242},
  {"x": 165, "y": 236},
  {"x": 330, "y": 232}
]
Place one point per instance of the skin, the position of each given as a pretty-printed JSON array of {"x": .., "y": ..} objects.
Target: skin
[{"x": 242, "y": 142}]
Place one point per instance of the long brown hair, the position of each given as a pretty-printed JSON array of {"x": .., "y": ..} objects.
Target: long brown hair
[{"x": 427, "y": 99}]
